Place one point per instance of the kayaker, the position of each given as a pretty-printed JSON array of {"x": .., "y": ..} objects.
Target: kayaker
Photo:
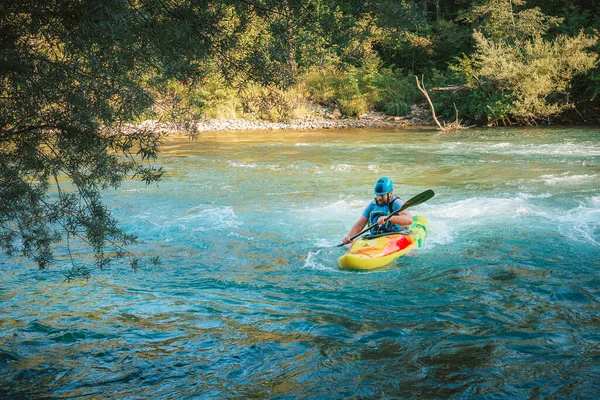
[{"x": 383, "y": 205}]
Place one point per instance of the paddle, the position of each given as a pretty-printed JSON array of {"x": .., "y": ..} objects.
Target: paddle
[{"x": 418, "y": 199}]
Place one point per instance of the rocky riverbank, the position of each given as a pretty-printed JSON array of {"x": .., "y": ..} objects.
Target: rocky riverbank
[{"x": 418, "y": 116}]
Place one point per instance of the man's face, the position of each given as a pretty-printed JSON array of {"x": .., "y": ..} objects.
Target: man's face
[{"x": 382, "y": 199}]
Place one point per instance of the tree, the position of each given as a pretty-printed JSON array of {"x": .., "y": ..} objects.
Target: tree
[
  {"x": 515, "y": 72},
  {"x": 72, "y": 73}
]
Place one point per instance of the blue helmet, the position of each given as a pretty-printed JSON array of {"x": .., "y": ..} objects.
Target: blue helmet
[{"x": 383, "y": 186}]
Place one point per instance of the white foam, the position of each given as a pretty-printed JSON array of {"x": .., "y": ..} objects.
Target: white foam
[
  {"x": 475, "y": 207},
  {"x": 321, "y": 242},
  {"x": 249, "y": 166},
  {"x": 219, "y": 218},
  {"x": 312, "y": 262},
  {"x": 194, "y": 220},
  {"x": 136, "y": 190},
  {"x": 570, "y": 149},
  {"x": 568, "y": 179},
  {"x": 340, "y": 207},
  {"x": 237, "y": 164},
  {"x": 284, "y": 192},
  {"x": 446, "y": 221},
  {"x": 439, "y": 232},
  {"x": 506, "y": 148},
  {"x": 580, "y": 232},
  {"x": 373, "y": 168},
  {"x": 239, "y": 236},
  {"x": 344, "y": 168},
  {"x": 582, "y": 222}
]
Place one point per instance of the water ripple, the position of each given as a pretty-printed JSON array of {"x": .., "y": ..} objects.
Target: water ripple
[{"x": 503, "y": 300}]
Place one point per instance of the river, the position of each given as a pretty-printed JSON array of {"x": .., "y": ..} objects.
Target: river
[{"x": 248, "y": 301}]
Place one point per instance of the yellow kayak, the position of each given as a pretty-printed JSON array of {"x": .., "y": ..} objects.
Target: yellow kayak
[{"x": 372, "y": 252}]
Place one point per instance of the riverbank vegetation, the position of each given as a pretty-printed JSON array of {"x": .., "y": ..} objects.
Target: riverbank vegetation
[
  {"x": 509, "y": 62},
  {"x": 74, "y": 71}
]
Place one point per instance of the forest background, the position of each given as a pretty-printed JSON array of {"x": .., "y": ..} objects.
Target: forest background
[
  {"x": 497, "y": 62},
  {"x": 74, "y": 73}
]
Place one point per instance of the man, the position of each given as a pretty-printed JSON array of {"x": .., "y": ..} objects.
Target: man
[{"x": 383, "y": 205}]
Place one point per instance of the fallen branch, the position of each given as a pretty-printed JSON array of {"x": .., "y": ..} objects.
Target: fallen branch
[
  {"x": 449, "y": 88},
  {"x": 457, "y": 124},
  {"x": 422, "y": 89}
]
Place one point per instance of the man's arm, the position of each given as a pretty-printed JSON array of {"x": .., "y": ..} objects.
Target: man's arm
[
  {"x": 357, "y": 227},
  {"x": 403, "y": 218}
]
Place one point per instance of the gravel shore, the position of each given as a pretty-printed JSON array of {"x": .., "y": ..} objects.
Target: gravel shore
[{"x": 369, "y": 120}]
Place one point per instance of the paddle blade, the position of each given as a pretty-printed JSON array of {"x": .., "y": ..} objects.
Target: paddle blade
[{"x": 418, "y": 199}]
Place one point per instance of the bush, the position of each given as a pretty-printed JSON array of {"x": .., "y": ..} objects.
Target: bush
[
  {"x": 397, "y": 109},
  {"x": 358, "y": 90},
  {"x": 353, "y": 107},
  {"x": 533, "y": 73},
  {"x": 396, "y": 93},
  {"x": 354, "y": 91}
]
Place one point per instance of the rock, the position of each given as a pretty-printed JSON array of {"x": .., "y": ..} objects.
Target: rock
[{"x": 335, "y": 114}]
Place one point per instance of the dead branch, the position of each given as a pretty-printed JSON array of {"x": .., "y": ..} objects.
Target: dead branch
[
  {"x": 422, "y": 89},
  {"x": 449, "y": 88},
  {"x": 456, "y": 125}
]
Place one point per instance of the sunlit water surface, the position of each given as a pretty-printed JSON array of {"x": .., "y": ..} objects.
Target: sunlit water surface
[{"x": 248, "y": 302}]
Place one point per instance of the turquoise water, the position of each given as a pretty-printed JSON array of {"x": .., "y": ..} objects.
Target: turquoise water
[{"x": 502, "y": 300}]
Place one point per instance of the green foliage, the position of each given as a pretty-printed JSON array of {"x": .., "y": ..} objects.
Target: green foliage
[
  {"x": 73, "y": 72},
  {"x": 65, "y": 80},
  {"x": 450, "y": 39},
  {"x": 208, "y": 97},
  {"x": 396, "y": 93},
  {"x": 337, "y": 89},
  {"x": 522, "y": 76},
  {"x": 502, "y": 21},
  {"x": 356, "y": 91},
  {"x": 212, "y": 98},
  {"x": 353, "y": 106},
  {"x": 274, "y": 104}
]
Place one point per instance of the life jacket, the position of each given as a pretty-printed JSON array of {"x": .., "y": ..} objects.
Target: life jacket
[{"x": 388, "y": 226}]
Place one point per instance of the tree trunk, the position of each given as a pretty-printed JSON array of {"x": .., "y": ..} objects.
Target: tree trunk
[{"x": 291, "y": 56}]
